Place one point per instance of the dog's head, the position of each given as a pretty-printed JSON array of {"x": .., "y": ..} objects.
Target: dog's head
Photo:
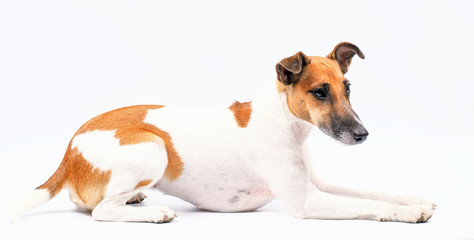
[{"x": 318, "y": 92}]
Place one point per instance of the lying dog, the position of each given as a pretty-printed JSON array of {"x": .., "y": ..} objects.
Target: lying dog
[{"x": 232, "y": 160}]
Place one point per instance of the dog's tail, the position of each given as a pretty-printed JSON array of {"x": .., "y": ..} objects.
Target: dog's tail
[{"x": 38, "y": 196}]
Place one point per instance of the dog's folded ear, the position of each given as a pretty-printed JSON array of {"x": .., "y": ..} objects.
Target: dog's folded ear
[
  {"x": 290, "y": 68},
  {"x": 343, "y": 54}
]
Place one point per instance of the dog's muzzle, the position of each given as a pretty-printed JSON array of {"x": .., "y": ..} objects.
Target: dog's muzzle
[
  {"x": 346, "y": 130},
  {"x": 360, "y": 134}
]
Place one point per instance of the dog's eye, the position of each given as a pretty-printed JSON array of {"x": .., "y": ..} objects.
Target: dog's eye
[
  {"x": 348, "y": 89},
  {"x": 320, "y": 94}
]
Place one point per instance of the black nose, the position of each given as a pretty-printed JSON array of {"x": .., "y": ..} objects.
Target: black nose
[{"x": 360, "y": 135}]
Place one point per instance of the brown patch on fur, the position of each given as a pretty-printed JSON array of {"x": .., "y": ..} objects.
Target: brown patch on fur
[
  {"x": 134, "y": 135},
  {"x": 130, "y": 129},
  {"x": 119, "y": 119},
  {"x": 242, "y": 113},
  {"x": 143, "y": 183},
  {"x": 86, "y": 183},
  {"x": 56, "y": 182}
]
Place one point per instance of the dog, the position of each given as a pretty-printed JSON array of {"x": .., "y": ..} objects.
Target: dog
[{"x": 233, "y": 160}]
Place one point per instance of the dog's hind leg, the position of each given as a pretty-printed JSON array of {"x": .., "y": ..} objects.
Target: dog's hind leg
[
  {"x": 137, "y": 198},
  {"x": 113, "y": 208},
  {"x": 133, "y": 167},
  {"x": 127, "y": 184}
]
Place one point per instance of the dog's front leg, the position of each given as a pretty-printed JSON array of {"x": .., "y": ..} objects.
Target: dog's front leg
[
  {"x": 290, "y": 181},
  {"x": 383, "y": 197},
  {"x": 353, "y": 193}
]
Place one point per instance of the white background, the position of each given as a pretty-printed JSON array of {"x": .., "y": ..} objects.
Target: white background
[{"x": 63, "y": 62}]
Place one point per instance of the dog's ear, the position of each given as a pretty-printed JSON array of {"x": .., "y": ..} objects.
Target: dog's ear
[
  {"x": 290, "y": 68},
  {"x": 343, "y": 54}
]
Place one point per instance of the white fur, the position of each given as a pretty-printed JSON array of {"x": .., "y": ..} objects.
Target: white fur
[
  {"x": 229, "y": 168},
  {"x": 25, "y": 202},
  {"x": 213, "y": 150}
]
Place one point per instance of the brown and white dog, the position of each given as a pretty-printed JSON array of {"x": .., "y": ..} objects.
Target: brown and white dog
[{"x": 235, "y": 159}]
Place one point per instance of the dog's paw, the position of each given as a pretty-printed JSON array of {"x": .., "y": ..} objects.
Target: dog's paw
[
  {"x": 409, "y": 201},
  {"x": 411, "y": 214},
  {"x": 161, "y": 214},
  {"x": 137, "y": 198}
]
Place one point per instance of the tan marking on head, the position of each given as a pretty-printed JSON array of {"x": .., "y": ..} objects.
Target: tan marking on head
[
  {"x": 143, "y": 183},
  {"x": 242, "y": 112},
  {"x": 130, "y": 129},
  {"x": 86, "y": 183},
  {"x": 319, "y": 72}
]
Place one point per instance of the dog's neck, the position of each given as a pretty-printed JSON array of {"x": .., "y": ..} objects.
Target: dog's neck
[{"x": 272, "y": 115}]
